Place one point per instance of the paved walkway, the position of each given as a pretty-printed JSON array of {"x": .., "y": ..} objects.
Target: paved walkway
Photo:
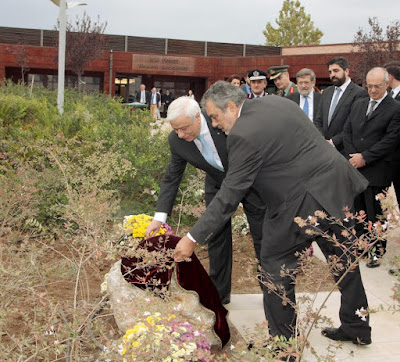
[{"x": 246, "y": 310}]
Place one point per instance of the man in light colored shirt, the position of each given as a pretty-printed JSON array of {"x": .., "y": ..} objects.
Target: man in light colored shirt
[
  {"x": 154, "y": 101},
  {"x": 194, "y": 141},
  {"x": 143, "y": 96},
  {"x": 307, "y": 98},
  {"x": 393, "y": 68}
]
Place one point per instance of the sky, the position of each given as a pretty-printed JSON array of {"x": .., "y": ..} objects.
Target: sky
[{"x": 229, "y": 21}]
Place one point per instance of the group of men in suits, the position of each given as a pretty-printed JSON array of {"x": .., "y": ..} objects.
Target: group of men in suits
[
  {"x": 154, "y": 100},
  {"x": 277, "y": 154},
  {"x": 260, "y": 164}
]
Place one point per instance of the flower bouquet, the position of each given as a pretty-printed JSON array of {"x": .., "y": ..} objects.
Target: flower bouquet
[
  {"x": 164, "y": 338},
  {"x": 149, "y": 266}
]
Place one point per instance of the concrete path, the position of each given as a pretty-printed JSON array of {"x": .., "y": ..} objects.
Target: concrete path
[{"x": 246, "y": 310}]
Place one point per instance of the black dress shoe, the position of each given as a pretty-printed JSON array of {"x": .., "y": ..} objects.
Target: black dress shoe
[
  {"x": 338, "y": 335},
  {"x": 374, "y": 263},
  {"x": 226, "y": 300}
]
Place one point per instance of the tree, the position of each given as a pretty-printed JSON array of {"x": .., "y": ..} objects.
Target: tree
[
  {"x": 84, "y": 43},
  {"x": 20, "y": 51},
  {"x": 294, "y": 27},
  {"x": 374, "y": 48}
]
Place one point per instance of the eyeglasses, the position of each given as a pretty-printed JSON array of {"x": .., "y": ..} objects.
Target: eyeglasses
[{"x": 375, "y": 86}]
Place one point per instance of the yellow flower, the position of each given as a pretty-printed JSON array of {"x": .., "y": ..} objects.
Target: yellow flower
[{"x": 138, "y": 224}]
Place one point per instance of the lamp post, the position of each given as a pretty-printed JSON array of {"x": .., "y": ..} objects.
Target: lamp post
[{"x": 62, "y": 18}]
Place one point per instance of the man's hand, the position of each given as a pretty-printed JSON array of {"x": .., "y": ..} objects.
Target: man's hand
[
  {"x": 357, "y": 160},
  {"x": 184, "y": 249},
  {"x": 153, "y": 228}
]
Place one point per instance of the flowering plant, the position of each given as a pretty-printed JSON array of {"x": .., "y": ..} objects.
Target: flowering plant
[
  {"x": 164, "y": 338},
  {"x": 137, "y": 224}
]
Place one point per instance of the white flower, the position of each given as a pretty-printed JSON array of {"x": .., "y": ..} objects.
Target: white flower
[
  {"x": 362, "y": 313},
  {"x": 103, "y": 287},
  {"x": 232, "y": 347},
  {"x": 146, "y": 314},
  {"x": 346, "y": 220},
  {"x": 147, "y": 299},
  {"x": 309, "y": 217},
  {"x": 316, "y": 224},
  {"x": 50, "y": 332},
  {"x": 198, "y": 318},
  {"x": 376, "y": 198},
  {"x": 196, "y": 333},
  {"x": 178, "y": 307}
]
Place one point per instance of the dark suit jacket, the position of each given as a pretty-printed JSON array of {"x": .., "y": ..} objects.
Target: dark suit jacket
[
  {"x": 295, "y": 97},
  {"x": 158, "y": 97},
  {"x": 251, "y": 95},
  {"x": 396, "y": 155},
  {"x": 183, "y": 152},
  {"x": 282, "y": 156},
  {"x": 166, "y": 99},
  {"x": 375, "y": 138},
  {"x": 335, "y": 129},
  {"x": 148, "y": 97}
]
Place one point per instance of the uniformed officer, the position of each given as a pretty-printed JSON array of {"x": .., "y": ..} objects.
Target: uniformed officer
[
  {"x": 280, "y": 75},
  {"x": 258, "y": 82}
]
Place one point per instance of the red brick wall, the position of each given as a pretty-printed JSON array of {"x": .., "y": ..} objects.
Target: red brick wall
[{"x": 210, "y": 68}]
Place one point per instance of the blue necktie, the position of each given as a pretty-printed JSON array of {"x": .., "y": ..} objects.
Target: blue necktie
[
  {"x": 305, "y": 107},
  {"x": 334, "y": 104},
  {"x": 208, "y": 153}
]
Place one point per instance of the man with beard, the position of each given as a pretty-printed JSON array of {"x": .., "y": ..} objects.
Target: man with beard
[
  {"x": 307, "y": 98},
  {"x": 336, "y": 102}
]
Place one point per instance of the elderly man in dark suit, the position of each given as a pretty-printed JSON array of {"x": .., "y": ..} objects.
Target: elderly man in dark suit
[
  {"x": 307, "y": 98},
  {"x": 370, "y": 136},
  {"x": 195, "y": 141},
  {"x": 336, "y": 102},
  {"x": 274, "y": 149},
  {"x": 143, "y": 96}
]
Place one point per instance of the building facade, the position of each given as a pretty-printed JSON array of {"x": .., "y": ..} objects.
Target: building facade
[{"x": 178, "y": 65}]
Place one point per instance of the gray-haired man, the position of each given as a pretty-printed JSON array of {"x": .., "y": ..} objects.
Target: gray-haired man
[{"x": 195, "y": 141}]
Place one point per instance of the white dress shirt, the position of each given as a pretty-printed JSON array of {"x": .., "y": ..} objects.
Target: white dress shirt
[
  {"x": 378, "y": 102},
  {"x": 162, "y": 216},
  {"x": 343, "y": 88},
  {"x": 396, "y": 91}
]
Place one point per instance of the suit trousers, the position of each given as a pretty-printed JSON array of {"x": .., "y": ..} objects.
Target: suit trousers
[
  {"x": 396, "y": 179},
  {"x": 281, "y": 316},
  {"x": 220, "y": 250},
  {"x": 367, "y": 202}
]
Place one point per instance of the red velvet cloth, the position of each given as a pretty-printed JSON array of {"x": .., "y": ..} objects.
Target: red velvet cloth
[{"x": 190, "y": 275}]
